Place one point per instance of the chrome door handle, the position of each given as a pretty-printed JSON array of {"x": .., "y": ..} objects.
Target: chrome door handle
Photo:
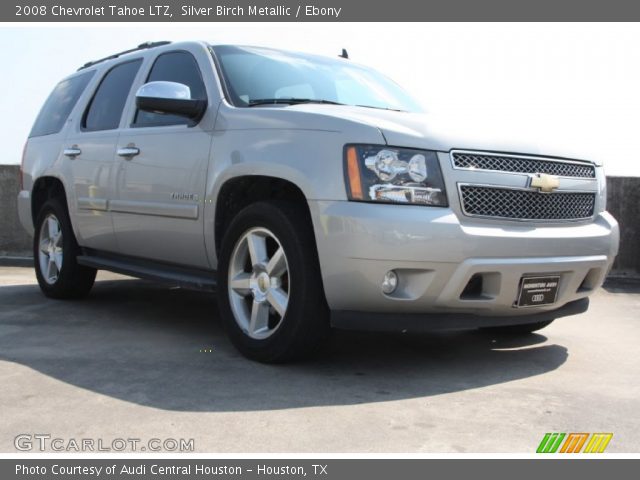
[
  {"x": 128, "y": 152},
  {"x": 72, "y": 152}
]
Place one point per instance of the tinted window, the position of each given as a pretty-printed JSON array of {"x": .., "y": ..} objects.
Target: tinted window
[
  {"x": 179, "y": 67},
  {"x": 106, "y": 107},
  {"x": 59, "y": 105}
]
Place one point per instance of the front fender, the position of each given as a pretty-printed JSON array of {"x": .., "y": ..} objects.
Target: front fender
[{"x": 310, "y": 159}]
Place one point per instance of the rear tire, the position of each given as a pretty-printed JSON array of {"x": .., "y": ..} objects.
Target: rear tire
[
  {"x": 270, "y": 292},
  {"x": 523, "y": 329},
  {"x": 55, "y": 252}
]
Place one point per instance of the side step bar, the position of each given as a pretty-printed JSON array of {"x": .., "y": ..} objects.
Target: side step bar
[{"x": 193, "y": 279}]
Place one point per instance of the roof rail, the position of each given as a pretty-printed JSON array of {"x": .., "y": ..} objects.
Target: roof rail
[{"x": 142, "y": 46}]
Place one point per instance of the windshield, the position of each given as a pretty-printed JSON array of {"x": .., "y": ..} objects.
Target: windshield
[{"x": 260, "y": 76}]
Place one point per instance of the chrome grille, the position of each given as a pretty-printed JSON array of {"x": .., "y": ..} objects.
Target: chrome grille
[
  {"x": 516, "y": 164},
  {"x": 526, "y": 204}
]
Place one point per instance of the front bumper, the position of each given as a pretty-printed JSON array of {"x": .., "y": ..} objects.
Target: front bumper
[
  {"x": 416, "y": 322},
  {"x": 436, "y": 256}
]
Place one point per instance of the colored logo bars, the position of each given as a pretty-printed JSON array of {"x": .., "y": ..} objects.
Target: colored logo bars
[{"x": 573, "y": 442}]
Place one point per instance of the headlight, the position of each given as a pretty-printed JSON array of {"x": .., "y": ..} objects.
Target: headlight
[{"x": 377, "y": 173}]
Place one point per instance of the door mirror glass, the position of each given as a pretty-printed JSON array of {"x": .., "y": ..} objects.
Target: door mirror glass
[{"x": 169, "y": 98}]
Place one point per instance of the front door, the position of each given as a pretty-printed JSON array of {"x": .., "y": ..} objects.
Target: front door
[{"x": 161, "y": 174}]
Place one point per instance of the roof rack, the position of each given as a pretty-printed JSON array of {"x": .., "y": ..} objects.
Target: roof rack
[{"x": 142, "y": 46}]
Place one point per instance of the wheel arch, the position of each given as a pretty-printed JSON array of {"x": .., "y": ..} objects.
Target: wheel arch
[
  {"x": 238, "y": 192},
  {"x": 44, "y": 189}
]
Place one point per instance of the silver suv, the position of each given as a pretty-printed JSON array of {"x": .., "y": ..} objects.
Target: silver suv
[{"x": 309, "y": 193}]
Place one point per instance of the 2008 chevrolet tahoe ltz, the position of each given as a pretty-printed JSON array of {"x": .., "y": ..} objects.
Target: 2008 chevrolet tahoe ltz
[{"x": 309, "y": 193}]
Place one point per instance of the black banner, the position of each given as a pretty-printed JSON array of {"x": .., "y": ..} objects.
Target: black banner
[
  {"x": 316, "y": 10},
  {"x": 326, "y": 469}
]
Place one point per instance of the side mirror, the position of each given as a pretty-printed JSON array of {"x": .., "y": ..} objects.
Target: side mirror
[{"x": 169, "y": 98}]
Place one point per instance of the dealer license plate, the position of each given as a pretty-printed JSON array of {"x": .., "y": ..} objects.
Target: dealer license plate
[{"x": 535, "y": 291}]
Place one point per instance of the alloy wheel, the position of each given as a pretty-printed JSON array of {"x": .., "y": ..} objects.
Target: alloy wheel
[
  {"x": 50, "y": 251},
  {"x": 258, "y": 283}
]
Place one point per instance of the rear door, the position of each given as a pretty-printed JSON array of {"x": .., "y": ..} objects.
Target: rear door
[
  {"x": 89, "y": 151},
  {"x": 160, "y": 189}
]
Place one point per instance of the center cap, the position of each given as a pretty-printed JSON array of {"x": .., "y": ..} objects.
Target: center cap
[{"x": 264, "y": 282}]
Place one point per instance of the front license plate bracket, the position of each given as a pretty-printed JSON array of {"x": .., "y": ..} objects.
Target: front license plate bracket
[{"x": 538, "y": 290}]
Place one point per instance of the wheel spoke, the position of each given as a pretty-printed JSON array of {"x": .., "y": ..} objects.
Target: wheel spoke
[
  {"x": 53, "y": 227},
  {"x": 44, "y": 245},
  {"x": 257, "y": 248},
  {"x": 241, "y": 284},
  {"x": 279, "y": 300},
  {"x": 52, "y": 270},
  {"x": 278, "y": 264},
  {"x": 259, "y": 318},
  {"x": 57, "y": 240},
  {"x": 57, "y": 259}
]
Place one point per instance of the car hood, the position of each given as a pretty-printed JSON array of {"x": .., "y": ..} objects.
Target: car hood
[{"x": 446, "y": 132}]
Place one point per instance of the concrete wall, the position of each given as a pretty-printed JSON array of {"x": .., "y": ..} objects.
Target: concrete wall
[
  {"x": 13, "y": 239},
  {"x": 623, "y": 201}
]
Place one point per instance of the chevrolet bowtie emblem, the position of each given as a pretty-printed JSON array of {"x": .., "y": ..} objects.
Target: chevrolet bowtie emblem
[{"x": 543, "y": 182}]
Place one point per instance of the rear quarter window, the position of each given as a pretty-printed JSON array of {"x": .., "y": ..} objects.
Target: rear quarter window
[{"x": 58, "y": 106}]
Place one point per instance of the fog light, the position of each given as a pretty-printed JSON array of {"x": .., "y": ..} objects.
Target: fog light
[{"x": 389, "y": 282}]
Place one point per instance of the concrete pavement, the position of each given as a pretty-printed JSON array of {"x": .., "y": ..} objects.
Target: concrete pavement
[{"x": 138, "y": 360}]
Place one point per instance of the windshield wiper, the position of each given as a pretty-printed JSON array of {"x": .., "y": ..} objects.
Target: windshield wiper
[
  {"x": 382, "y": 108},
  {"x": 298, "y": 101},
  {"x": 289, "y": 101}
]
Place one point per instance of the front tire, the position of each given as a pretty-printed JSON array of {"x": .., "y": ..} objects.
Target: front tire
[
  {"x": 55, "y": 255},
  {"x": 270, "y": 291}
]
